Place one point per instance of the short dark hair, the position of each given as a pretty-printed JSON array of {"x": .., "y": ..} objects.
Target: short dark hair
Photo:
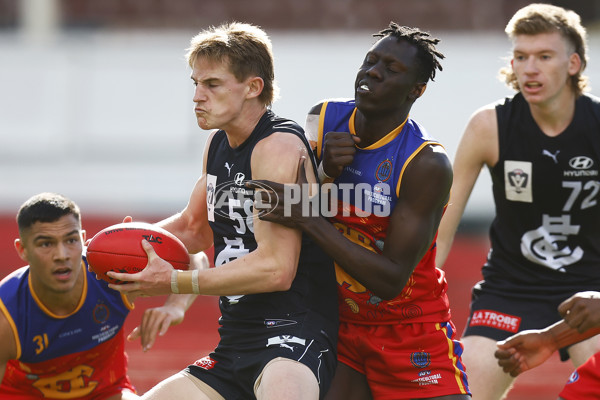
[
  {"x": 427, "y": 54},
  {"x": 46, "y": 207}
]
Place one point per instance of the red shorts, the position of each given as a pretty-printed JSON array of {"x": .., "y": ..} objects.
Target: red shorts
[
  {"x": 419, "y": 360},
  {"x": 584, "y": 383}
]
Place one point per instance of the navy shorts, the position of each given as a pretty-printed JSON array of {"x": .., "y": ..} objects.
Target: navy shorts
[
  {"x": 232, "y": 369},
  {"x": 498, "y": 314}
]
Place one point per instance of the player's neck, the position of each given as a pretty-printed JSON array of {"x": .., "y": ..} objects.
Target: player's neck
[
  {"x": 373, "y": 128},
  {"x": 240, "y": 128},
  {"x": 553, "y": 117},
  {"x": 61, "y": 303}
]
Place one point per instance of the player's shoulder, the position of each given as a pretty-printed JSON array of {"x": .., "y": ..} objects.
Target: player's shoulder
[
  {"x": 280, "y": 143},
  {"x": 13, "y": 280},
  {"x": 340, "y": 101},
  {"x": 434, "y": 156},
  {"x": 595, "y": 100},
  {"x": 592, "y": 101},
  {"x": 484, "y": 118}
]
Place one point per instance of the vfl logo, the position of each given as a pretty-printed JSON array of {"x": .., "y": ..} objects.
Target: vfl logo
[
  {"x": 228, "y": 168},
  {"x": 384, "y": 171},
  {"x": 239, "y": 179},
  {"x": 518, "y": 179},
  {"x": 581, "y": 162},
  {"x": 552, "y": 156},
  {"x": 153, "y": 239}
]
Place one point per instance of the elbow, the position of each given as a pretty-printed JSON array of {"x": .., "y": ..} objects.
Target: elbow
[
  {"x": 392, "y": 288},
  {"x": 388, "y": 294},
  {"x": 280, "y": 281}
]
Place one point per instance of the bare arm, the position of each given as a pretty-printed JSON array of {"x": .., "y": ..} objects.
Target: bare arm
[
  {"x": 478, "y": 147},
  {"x": 411, "y": 231},
  {"x": 271, "y": 267}
]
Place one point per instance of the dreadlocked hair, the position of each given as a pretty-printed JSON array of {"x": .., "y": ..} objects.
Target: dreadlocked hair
[{"x": 428, "y": 56}]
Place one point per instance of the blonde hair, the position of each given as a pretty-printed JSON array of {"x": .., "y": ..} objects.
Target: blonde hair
[
  {"x": 540, "y": 18},
  {"x": 245, "y": 47}
]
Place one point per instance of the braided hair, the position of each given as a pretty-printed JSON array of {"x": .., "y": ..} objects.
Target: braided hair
[{"x": 427, "y": 55}]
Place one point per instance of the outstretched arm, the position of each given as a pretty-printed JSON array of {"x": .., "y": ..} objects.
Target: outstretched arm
[{"x": 528, "y": 349}]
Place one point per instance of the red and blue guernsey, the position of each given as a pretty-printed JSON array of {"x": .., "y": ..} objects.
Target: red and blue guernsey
[
  {"x": 75, "y": 356},
  {"x": 367, "y": 192}
]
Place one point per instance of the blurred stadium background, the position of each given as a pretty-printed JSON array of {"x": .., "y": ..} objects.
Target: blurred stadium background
[{"x": 95, "y": 103}]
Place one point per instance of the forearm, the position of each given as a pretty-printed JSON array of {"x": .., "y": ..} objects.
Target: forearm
[
  {"x": 266, "y": 269},
  {"x": 195, "y": 236},
  {"x": 376, "y": 272},
  {"x": 563, "y": 335}
]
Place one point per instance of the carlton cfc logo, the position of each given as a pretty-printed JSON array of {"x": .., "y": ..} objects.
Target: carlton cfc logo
[{"x": 384, "y": 171}]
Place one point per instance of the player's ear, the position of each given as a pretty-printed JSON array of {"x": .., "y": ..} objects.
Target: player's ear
[
  {"x": 83, "y": 235},
  {"x": 574, "y": 64},
  {"x": 417, "y": 91},
  {"x": 20, "y": 249},
  {"x": 255, "y": 87}
]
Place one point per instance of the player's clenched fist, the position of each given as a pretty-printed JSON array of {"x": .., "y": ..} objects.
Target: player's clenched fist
[{"x": 339, "y": 150}]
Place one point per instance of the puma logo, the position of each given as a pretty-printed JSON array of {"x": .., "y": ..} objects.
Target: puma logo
[{"x": 552, "y": 156}]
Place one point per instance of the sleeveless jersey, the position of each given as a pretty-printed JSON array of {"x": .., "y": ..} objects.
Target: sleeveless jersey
[
  {"x": 546, "y": 233},
  {"x": 230, "y": 214},
  {"x": 77, "y": 356},
  {"x": 367, "y": 192}
]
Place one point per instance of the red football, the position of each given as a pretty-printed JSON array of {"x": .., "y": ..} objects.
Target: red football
[{"x": 119, "y": 248}]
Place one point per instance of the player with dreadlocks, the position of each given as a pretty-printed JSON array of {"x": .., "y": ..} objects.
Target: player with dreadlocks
[{"x": 391, "y": 184}]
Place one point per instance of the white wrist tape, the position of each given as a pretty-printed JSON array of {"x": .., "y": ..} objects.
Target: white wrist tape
[
  {"x": 174, "y": 286},
  {"x": 321, "y": 173},
  {"x": 195, "y": 287}
]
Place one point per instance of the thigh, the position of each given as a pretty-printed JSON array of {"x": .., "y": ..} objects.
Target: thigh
[
  {"x": 283, "y": 378},
  {"x": 182, "y": 386},
  {"x": 582, "y": 351},
  {"x": 348, "y": 384},
  {"x": 487, "y": 381}
]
